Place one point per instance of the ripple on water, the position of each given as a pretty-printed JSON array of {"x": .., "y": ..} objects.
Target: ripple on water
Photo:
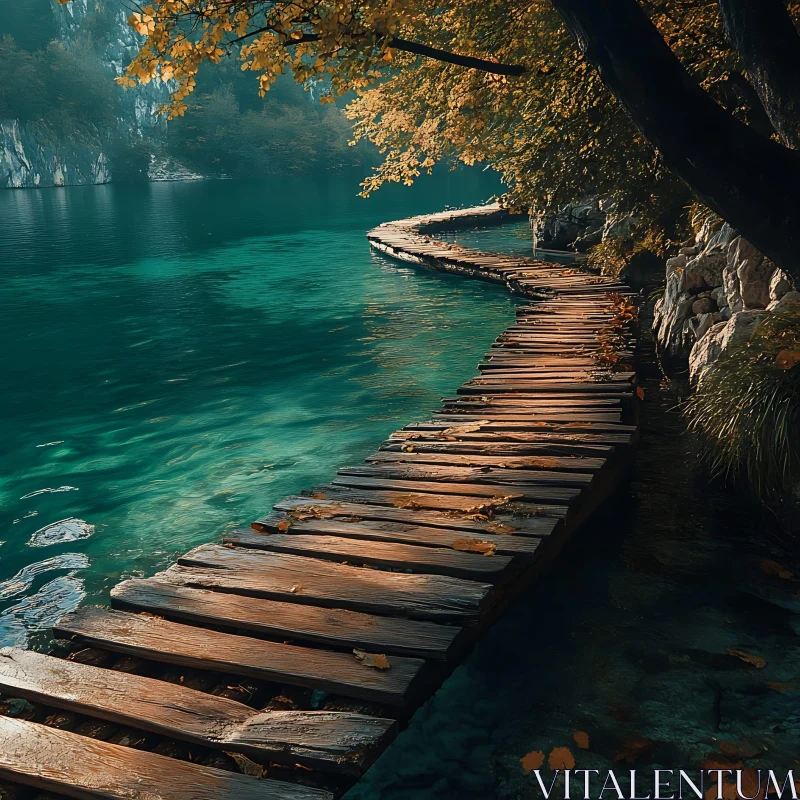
[
  {"x": 49, "y": 491},
  {"x": 23, "y": 580},
  {"x": 40, "y": 611}
]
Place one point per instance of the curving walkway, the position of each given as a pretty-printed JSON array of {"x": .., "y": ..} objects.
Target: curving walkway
[{"x": 293, "y": 650}]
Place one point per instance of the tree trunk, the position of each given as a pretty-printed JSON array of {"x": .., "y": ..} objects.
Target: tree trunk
[
  {"x": 764, "y": 35},
  {"x": 748, "y": 179}
]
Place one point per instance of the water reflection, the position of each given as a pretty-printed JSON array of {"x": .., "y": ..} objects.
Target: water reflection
[
  {"x": 185, "y": 355},
  {"x": 656, "y": 633}
]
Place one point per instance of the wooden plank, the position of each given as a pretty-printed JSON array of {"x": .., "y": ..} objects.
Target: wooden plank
[
  {"x": 201, "y": 648},
  {"x": 331, "y": 741},
  {"x": 539, "y": 436},
  {"x": 470, "y": 475},
  {"x": 434, "y": 560},
  {"x": 565, "y": 377},
  {"x": 453, "y": 427},
  {"x": 561, "y": 463},
  {"x": 525, "y": 492},
  {"x": 485, "y": 387},
  {"x": 520, "y": 544},
  {"x": 463, "y": 416},
  {"x": 533, "y": 402},
  {"x": 316, "y": 582},
  {"x": 463, "y": 504},
  {"x": 334, "y": 627},
  {"x": 77, "y": 766},
  {"x": 509, "y": 450},
  {"x": 305, "y": 508}
]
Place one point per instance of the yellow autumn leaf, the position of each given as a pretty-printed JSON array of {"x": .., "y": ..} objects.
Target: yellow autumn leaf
[
  {"x": 475, "y": 546},
  {"x": 376, "y": 660}
]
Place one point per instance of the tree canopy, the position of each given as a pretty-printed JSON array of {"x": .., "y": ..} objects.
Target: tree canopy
[{"x": 658, "y": 99}]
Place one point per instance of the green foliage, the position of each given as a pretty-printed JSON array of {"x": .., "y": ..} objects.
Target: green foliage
[
  {"x": 29, "y": 22},
  {"x": 225, "y": 132},
  {"x": 747, "y": 409},
  {"x": 67, "y": 86}
]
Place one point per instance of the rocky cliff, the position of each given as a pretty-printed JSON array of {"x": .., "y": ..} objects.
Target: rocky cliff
[
  {"x": 584, "y": 224},
  {"x": 32, "y": 153},
  {"x": 717, "y": 290}
]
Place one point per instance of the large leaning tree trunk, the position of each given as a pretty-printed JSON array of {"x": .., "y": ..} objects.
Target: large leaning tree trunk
[
  {"x": 750, "y": 180},
  {"x": 764, "y": 35}
]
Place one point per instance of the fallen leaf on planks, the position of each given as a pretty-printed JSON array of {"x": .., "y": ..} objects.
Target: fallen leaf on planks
[
  {"x": 469, "y": 427},
  {"x": 315, "y": 512},
  {"x": 500, "y": 528},
  {"x": 406, "y": 501},
  {"x": 475, "y": 546},
  {"x": 376, "y": 660}
]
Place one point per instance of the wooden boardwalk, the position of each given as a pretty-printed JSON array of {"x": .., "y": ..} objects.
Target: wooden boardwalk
[{"x": 280, "y": 662}]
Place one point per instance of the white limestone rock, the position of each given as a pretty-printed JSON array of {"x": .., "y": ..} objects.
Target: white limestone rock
[
  {"x": 789, "y": 301},
  {"x": 720, "y": 338},
  {"x": 753, "y": 272},
  {"x": 704, "y": 271},
  {"x": 779, "y": 285}
]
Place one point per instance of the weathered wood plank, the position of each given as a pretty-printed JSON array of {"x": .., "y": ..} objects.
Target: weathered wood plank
[
  {"x": 519, "y": 415},
  {"x": 464, "y": 504},
  {"x": 201, "y": 648},
  {"x": 509, "y": 450},
  {"x": 570, "y": 464},
  {"x": 330, "y": 741},
  {"x": 77, "y": 766},
  {"x": 469, "y": 475},
  {"x": 521, "y": 544},
  {"x": 316, "y": 582},
  {"x": 533, "y": 402},
  {"x": 435, "y": 560},
  {"x": 334, "y": 627},
  {"x": 542, "y": 435},
  {"x": 535, "y": 493},
  {"x": 305, "y": 508},
  {"x": 450, "y": 427}
]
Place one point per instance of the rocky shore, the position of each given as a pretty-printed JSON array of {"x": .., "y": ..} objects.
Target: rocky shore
[{"x": 717, "y": 290}]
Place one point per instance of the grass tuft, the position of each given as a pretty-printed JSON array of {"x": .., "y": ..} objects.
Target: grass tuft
[{"x": 747, "y": 410}]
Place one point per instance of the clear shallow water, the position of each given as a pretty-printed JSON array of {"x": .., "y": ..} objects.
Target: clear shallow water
[
  {"x": 191, "y": 352},
  {"x": 514, "y": 238},
  {"x": 627, "y": 639},
  {"x": 179, "y": 356}
]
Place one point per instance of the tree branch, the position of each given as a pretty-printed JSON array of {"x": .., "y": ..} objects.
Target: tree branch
[{"x": 470, "y": 62}]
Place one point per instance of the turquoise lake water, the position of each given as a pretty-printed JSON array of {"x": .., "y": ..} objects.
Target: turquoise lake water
[{"x": 179, "y": 356}]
